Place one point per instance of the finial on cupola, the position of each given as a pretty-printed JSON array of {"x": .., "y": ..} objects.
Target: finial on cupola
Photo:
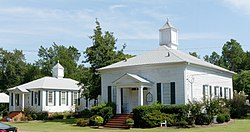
[{"x": 168, "y": 35}]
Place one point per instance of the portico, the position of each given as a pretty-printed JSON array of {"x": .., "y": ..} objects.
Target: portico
[{"x": 131, "y": 83}]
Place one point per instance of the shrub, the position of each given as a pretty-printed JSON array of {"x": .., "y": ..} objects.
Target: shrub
[
  {"x": 194, "y": 108},
  {"x": 227, "y": 117},
  {"x": 85, "y": 113},
  {"x": 57, "y": 115},
  {"x": 238, "y": 108},
  {"x": 154, "y": 119},
  {"x": 212, "y": 108},
  {"x": 182, "y": 123},
  {"x": 171, "y": 119},
  {"x": 140, "y": 111},
  {"x": 98, "y": 120},
  {"x": 130, "y": 121},
  {"x": 92, "y": 120},
  {"x": 220, "y": 118},
  {"x": 202, "y": 119},
  {"x": 82, "y": 122},
  {"x": 106, "y": 113},
  {"x": 42, "y": 115}
]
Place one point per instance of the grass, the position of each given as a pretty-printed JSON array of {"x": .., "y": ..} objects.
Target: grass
[{"x": 67, "y": 125}]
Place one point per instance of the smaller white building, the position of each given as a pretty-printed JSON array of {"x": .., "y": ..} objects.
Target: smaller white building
[
  {"x": 51, "y": 94},
  {"x": 4, "y": 98}
]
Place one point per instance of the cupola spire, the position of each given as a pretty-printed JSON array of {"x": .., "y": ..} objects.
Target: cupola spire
[
  {"x": 58, "y": 70},
  {"x": 168, "y": 36}
]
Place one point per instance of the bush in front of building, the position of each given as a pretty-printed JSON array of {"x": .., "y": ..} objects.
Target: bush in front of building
[
  {"x": 82, "y": 122},
  {"x": 153, "y": 119},
  {"x": 238, "y": 106},
  {"x": 105, "y": 110},
  {"x": 180, "y": 111},
  {"x": 220, "y": 118}
]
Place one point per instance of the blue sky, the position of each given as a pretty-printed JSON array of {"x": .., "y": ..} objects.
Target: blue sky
[{"x": 203, "y": 25}]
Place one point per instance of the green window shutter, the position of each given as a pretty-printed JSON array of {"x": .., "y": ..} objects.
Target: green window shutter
[
  {"x": 72, "y": 101},
  {"x": 12, "y": 99},
  {"x": 87, "y": 105},
  {"x": 54, "y": 98},
  {"x": 215, "y": 92},
  {"x": 204, "y": 90},
  {"x": 229, "y": 90},
  {"x": 32, "y": 96},
  {"x": 158, "y": 85},
  {"x": 67, "y": 98},
  {"x": 172, "y": 89},
  {"x": 221, "y": 91},
  {"x": 60, "y": 98},
  {"x": 46, "y": 98},
  {"x": 109, "y": 94},
  {"x": 39, "y": 98}
]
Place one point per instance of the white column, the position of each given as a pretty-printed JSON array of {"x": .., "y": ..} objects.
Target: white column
[
  {"x": 22, "y": 102},
  {"x": 118, "y": 101},
  {"x": 14, "y": 102},
  {"x": 140, "y": 96}
]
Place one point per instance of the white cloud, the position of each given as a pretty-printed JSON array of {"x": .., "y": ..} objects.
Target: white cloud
[
  {"x": 243, "y": 6},
  {"x": 113, "y": 7}
]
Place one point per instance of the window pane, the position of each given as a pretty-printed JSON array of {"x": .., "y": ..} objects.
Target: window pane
[
  {"x": 63, "y": 98},
  {"x": 50, "y": 97}
]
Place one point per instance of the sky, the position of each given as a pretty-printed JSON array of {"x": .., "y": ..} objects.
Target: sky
[{"x": 203, "y": 25}]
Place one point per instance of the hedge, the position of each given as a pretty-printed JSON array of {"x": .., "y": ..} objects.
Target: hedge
[{"x": 139, "y": 112}]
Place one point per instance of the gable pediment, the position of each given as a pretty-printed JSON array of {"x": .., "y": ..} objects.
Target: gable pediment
[{"x": 131, "y": 79}]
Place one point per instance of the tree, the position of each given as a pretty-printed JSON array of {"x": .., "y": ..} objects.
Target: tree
[
  {"x": 233, "y": 56},
  {"x": 102, "y": 53},
  {"x": 194, "y": 54},
  {"x": 241, "y": 82},
  {"x": 68, "y": 57},
  {"x": 12, "y": 69},
  {"x": 213, "y": 59}
]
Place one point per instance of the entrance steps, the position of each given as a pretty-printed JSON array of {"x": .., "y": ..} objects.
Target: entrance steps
[
  {"x": 13, "y": 116},
  {"x": 118, "y": 121}
]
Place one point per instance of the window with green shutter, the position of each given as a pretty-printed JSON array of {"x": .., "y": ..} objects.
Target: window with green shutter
[
  {"x": 158, "y": 85},
  {"x": 109, "y": 94},
  {"x": 172, "y": 89}
]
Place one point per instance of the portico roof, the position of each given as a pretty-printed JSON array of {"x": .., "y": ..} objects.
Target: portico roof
[{"x": 131, "y": 80}]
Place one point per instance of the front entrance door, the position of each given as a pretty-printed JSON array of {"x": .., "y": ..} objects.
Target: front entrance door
[{"x": 133, "y": 98}]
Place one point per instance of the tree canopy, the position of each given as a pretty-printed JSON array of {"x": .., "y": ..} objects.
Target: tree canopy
[{"x": 103, "y": 52}]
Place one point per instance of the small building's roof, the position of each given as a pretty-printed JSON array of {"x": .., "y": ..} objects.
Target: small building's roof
[
  {"x": 49, "y": 83},
  {"x": 4, "y": 98},
  {"x": 163, "y": 55},
  {"x": 167, "y": 25},
  {"x": 58, "y": 66}
]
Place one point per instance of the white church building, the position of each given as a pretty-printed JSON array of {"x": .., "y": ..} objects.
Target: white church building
[
  {"x": 165, "y": 75},
  {"x": 51, "y": 94}
]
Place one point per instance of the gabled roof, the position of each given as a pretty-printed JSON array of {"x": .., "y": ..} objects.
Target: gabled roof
[
  {"x": 4, "y": 98},
  {"x": 163, "y": 55},
  {"x": 133, "y": 76},
  {"x": 49, "y": 83}
]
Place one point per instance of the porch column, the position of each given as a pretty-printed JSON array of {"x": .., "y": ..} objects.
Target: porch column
[
  {"x": 140, "y": 96},
  {"x": 22, "y": 102},
  {"x": 14, "y": 102},
  {"x": 118, "y": 101}
]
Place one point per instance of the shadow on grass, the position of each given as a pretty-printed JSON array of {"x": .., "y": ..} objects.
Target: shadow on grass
[{"x": 64, "y": 121}]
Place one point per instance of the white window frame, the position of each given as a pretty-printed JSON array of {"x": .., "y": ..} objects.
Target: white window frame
[
  {"x": 226, "y": 93},
  {"x": 52, "y": 98},
  {"x": 217, "y": 91},
  {"x": 63, "y": 98},
  {"x": 205, "y": 93},
  {"x": 75, "y": 94}
]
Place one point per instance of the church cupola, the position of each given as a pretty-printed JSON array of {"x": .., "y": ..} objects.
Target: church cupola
[
  {"x": 168, "y": 36},
  {"x": 58, "y": 71}
]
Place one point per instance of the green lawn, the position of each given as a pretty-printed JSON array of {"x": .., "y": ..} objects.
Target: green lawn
[{"x": 239, "y": 125}]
